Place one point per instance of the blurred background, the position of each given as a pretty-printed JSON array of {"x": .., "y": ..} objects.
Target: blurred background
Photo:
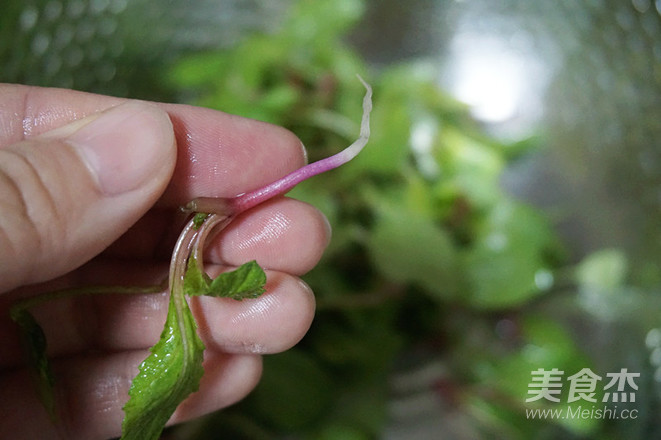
[{"x": 504, "y": 218}]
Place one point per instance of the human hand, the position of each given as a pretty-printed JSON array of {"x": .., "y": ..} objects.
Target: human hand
[{"x": 94, "y": 201}]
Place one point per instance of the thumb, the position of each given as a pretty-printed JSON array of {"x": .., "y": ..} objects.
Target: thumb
[{"x": 68, "y": 194}]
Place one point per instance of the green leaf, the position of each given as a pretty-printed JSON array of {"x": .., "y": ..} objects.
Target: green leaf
[
  {"x": 167, "y": 376},
  {"x": 196, "y": 282},
  {"x": 247, "y": 281},
  {"x": 34, "y": 344}
]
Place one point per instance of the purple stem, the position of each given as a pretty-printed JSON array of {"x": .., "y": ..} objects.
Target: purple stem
[{"x": 247, "y": 200}]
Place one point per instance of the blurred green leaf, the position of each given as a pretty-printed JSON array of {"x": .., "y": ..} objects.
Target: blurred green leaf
[
  {"x": 510, "y": 249},
  {"x": 472, "y": 167},
  {"x": 341, "y": 432},
  {"x": 601, "y": 278},
  {"x": 604, "y": 269},
  {"x": 33, "y": 341},
  {"x": 408, "y": 248}
]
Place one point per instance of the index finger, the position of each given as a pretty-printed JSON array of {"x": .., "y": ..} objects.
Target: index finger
[{"x": 218, "y": 154}]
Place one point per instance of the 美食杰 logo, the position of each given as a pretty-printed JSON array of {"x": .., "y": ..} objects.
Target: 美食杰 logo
[{"x": 581, "y": 389}]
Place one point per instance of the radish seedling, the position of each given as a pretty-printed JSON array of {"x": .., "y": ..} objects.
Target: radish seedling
[{"x": 174, "y": 368}]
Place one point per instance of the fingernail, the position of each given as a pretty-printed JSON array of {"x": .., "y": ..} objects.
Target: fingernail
[{"x": 125, "y": 146}]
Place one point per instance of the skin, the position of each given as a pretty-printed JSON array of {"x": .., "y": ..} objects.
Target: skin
[{"x": 97, "y": 343}]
